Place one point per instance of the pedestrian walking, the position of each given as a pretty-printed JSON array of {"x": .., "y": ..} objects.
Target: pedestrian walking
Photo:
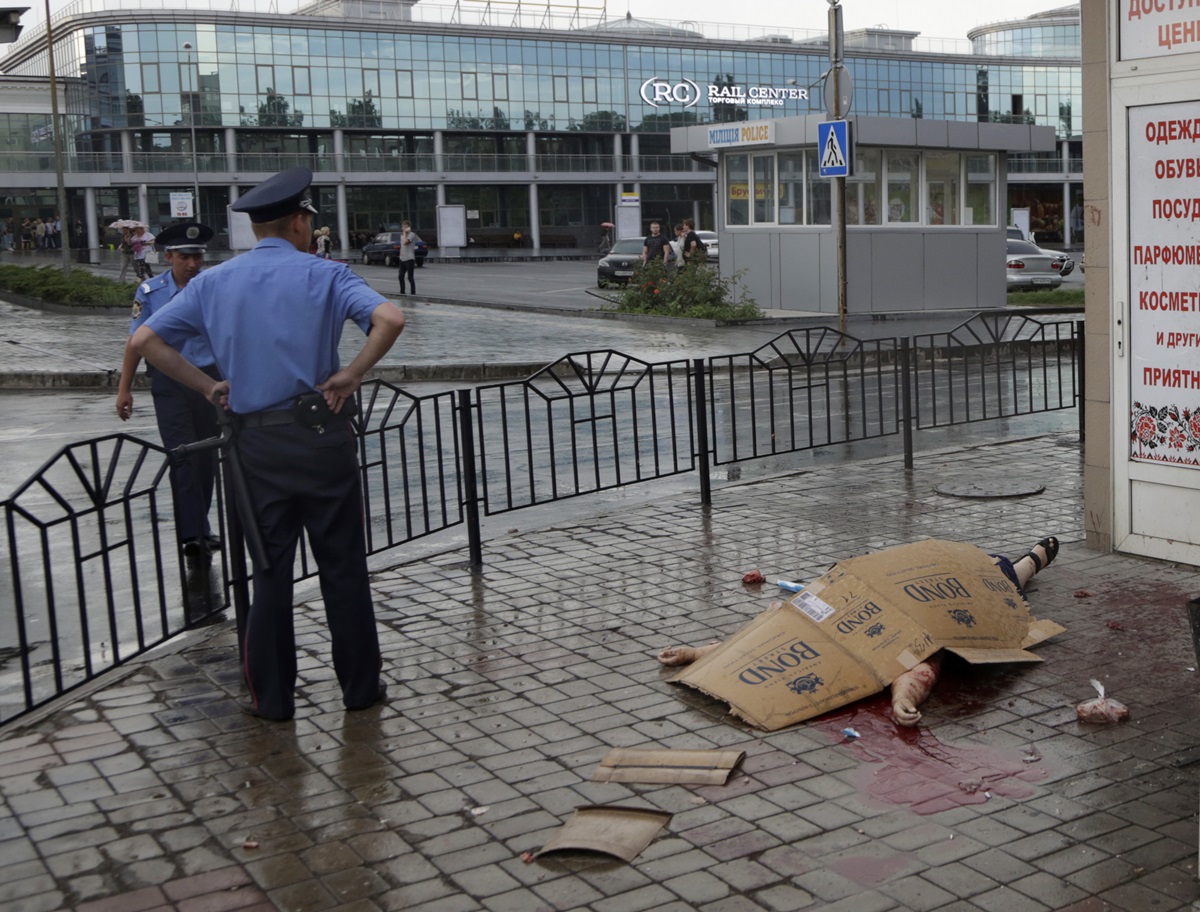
[
  {"x": 656, "y": 245},
  {"x": 142, "y": 242},
  {"x": 408, "y": 257},
  {"x": 183, "y": 415},
  {"x": 125, "y": 248},
  {"x": 274, "y": 318}
]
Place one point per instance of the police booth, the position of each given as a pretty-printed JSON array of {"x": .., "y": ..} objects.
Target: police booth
[{"x": 925, "y": 213}]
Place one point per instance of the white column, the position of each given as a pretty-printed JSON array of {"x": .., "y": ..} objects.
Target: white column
[
  {"x": 143, "y": 204},
  {"x": 439, "y": 164},
  {"x": 343, "y": 220},
  {"x": 93, "y": 228},
  {"x": 127, "y": 151},
  {"x": 339, "y": 150},
  {"x": 231, "y": 152},
  {"x": 531, "y": 152},
  {"x": 618, "y": 165},
  {"x": 535, "y": 226},
  {"x": 634, "y": 152}
]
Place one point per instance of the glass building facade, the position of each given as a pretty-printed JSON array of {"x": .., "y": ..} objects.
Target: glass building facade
[{"x": 537, "y": 132}]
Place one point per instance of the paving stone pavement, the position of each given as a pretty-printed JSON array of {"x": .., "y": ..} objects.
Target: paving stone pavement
[{"x": 152, "y": 791}]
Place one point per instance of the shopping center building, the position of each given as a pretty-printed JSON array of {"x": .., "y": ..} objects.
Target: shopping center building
[{"x": 536, "y": 120}]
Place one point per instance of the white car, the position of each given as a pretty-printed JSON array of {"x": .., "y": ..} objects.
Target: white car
[{"x": 710, "y": 241}]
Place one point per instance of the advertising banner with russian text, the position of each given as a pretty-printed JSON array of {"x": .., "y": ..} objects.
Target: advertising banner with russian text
[{"x": 1164, "y": 280}]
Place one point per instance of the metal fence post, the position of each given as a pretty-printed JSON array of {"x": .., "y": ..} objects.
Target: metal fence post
[
  {"x": 239, "y": 578},
  {"x": 906, "y": 409},
  {"x": 701, "y": 416},
  {"x": 470, "y": 483},
  {"x": 1081, "y": 373}
]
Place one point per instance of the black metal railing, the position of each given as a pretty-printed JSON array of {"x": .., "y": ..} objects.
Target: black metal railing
[{"x": 93, "y": 577}]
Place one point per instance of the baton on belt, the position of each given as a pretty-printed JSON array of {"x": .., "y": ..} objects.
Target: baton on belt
[{"x": 244, "y": 510}]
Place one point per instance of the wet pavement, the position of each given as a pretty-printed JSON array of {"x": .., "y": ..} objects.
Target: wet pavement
[{"x": 149, "y": 790}]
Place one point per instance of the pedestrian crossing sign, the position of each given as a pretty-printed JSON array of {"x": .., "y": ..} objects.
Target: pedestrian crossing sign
[{"x": 833, "y": 147}]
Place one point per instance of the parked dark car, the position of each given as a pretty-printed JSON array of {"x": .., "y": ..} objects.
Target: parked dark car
[
  {"x": 618, "y": 264},
  {"x": 385, "y": 248}
]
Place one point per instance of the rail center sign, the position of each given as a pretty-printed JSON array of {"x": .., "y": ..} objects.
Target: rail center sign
[{"x": 657, "y": 92}]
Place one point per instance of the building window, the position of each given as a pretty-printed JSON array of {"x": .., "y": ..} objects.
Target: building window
[
  {"x": 469, "y": 90},
  {"x": 941, "y": 187},
  {"x": 903, "y": 180},
  {"x": 560, "y": 88},
  {"x": 266, "y": 78},
  {"x": 500, "y": 87},
  {"x": 791, "y": 188},
  {"x": 404, "y": 84},
  {"x": 150, "y": 78},
  {"x": 818, "y": 192},
  {"x": 764, "y": 189},
  {"x": 863, "y": 189},
  {"x": 737, "y": 183},
  {"x": 589, "y": 89},
  {"x": 370, "y": 80},
  {"x": 300, "y": 81},
  {"x": 981, "y": 190}
]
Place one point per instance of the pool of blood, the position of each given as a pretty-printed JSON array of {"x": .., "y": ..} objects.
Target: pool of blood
[{"x": 910, "y": 767}]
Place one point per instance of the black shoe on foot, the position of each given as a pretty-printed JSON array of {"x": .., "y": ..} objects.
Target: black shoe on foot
[
  {"x": 248, "y": 707},
  {"x": 381, "y": 697},
  {"x": 1050, "y": 546}
]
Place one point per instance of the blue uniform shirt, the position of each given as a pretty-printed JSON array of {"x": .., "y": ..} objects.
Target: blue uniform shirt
[
  {"x": 150, "y": 297},
  {"x": 274, "y": 317}
]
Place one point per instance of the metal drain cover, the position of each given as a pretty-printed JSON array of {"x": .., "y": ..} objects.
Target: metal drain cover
[{"x": 988, "y": 488}]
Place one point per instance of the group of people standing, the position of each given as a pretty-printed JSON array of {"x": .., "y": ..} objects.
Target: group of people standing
[
  {"x": 258, "y": 336},
  {"x": 31, "y": 234},
  {"x": 684, "y": 249}
]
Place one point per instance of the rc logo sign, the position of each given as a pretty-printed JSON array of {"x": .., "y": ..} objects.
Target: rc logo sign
[{"x": 656, "y": 92}]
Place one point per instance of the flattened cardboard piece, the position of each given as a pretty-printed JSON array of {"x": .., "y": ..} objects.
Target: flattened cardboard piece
[
  {"x": 780, "y": 669},
  {"x": 952, "y": 589},
  {"x": 682, "y": 767},
  {"x": 854, "y": 630},
  {"x": 623, "y": 832}
]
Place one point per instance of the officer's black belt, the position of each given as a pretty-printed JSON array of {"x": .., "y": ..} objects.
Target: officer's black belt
[{"x": 269, "y": 418}]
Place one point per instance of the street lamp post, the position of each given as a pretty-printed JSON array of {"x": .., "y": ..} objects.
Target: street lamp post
[
  {"x": 64, "y": 217},
  {"x": 187, "y": 46}
]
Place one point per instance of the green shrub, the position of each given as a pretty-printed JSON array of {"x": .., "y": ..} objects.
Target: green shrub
[
  {"x": 83, "y": 288},
  {"x": 698, "y": 292}
]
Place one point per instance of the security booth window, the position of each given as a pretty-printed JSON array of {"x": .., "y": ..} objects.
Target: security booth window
[
  {"x": 791, "y": 188},
  {"x": 903, "y": 179},
  {"x": 819, "y": 210},
  {"x": 941, "y": 187},
  {"x": 737, "y": 189},
  {"x": 863, "y": 188},
  {"x": 981, "y": 190},
  {"x": 764, "y": 189}
]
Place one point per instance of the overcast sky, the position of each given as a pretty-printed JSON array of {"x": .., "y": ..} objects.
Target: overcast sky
[{"x": 932, "y": 18}]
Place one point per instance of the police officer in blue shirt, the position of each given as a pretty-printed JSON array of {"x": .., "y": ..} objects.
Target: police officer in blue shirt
[
  {"x": 274, "y": 317},
  {"x": 184, "y": 416}
]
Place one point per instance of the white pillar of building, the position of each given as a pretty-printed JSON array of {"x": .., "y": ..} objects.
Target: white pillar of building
[
  {"x": 439, "y": 164},
  {"x": 531, "y": 152},
  {"x": 343, "y": 220},
  {"x": 339, "y": 150},
  {"x": 143, "y": 204},
  {"x": 618, "y": 165},
  {"x": 231, "y": 153},
  {"x": 535, "y": 222},
  {"x": 127, "y": 151},
  {"x": 93, "y": 225}
]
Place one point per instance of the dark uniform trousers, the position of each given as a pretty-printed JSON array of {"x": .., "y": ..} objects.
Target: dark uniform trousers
[
  {"x": 184, "y": 416},
  {"x": 300, "y": 478}
]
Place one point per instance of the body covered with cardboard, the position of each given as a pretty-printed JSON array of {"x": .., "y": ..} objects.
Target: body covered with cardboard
[{"x": 851, "y": 632}]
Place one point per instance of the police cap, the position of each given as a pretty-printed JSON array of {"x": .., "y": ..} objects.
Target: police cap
[
  {"x": 283, "y": 194},
  {"x": 185, "y": 237}
]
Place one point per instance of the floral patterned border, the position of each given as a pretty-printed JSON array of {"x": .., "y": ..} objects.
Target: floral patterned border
[{"x": 1165, "y": 433}]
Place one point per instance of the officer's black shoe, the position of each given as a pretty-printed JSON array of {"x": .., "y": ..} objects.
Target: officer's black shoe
[
  {"x": 381, "y": 697},
  {"x": 248, "y": 707},
  {"x": 212, "y": 543},
  {"x": 194, "y": 547}
]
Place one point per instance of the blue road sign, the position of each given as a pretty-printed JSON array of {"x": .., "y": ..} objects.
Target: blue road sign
[{"x": 833, "y": 147}]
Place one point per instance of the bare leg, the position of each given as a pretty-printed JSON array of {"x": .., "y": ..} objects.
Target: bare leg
[
  {"x": 1037, "y": 558},
  {"x": 911, "y": 688},
  {"x": 685, "y": 655}
]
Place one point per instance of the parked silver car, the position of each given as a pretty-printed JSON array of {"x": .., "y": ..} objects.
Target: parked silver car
[{"x": 1029, "y": 266}]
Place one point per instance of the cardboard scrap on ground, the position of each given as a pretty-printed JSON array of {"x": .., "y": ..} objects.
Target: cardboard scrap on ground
[
  {"x": 684, "y": 767},
  {"x": 853, "y": 631},
  {"x": 614, "y": 830}
]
